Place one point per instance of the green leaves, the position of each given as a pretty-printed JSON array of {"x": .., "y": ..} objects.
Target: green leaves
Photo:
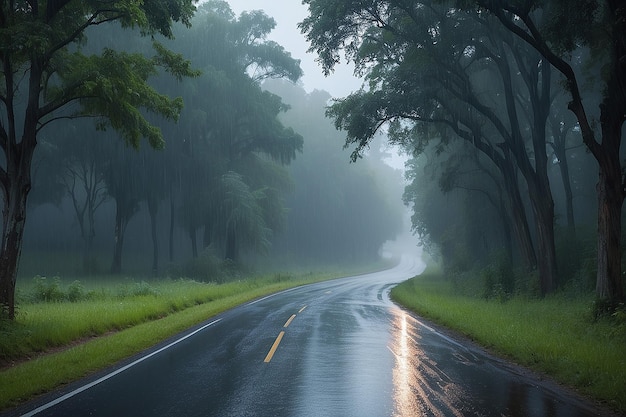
[
  {"x": 113, "y": 87},
  {"x": 242, "y": 213},
  {"x": 154, "y": 16}
]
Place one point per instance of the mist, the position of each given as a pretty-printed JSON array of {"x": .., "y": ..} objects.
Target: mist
[{"x": 253, "y": 173}]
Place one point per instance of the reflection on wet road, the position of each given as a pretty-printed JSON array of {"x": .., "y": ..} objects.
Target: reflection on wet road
[
  {"x": 435, "y": 376},
  {"x": 339, "y": 348},
  {"x": 420, "y": 388}
]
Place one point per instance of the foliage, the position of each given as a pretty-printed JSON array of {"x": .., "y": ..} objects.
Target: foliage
[
  {"x": 499, "y": 281},
  {"x": 48, "y": 290},
  {"x": 46, "y": 77}
]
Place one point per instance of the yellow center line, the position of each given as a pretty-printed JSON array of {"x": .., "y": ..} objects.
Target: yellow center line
[
  {"x": 293, "y": 316},
  {"x": 302, "y": 309},
  {"x": 270, "y": 354}
]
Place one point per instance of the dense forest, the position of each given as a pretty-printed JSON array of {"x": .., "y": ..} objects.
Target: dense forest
[
  {"x": 512, "y": 111},
  {"x": 239, "y": 163}
]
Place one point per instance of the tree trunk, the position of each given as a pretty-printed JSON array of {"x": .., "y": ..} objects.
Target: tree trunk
[
  {"x": 207, "y": 235},
  {"x": 194, "y": 241},
  {"x": 609, "y": 282},
  {"x": 543, "y": 209},
  {"x": 14, "y": 216},
  {"x": 153, "y": 208},
  {"x": 611, "y": 186},
  {"x": 520, "y": 221},
  {"x": 561, "y": 154},
  {"x": 89, "y": 236},
  {"x": 231, "y": 245},
  {"x": 16, "y": 184},
  {"x": 172, "y": 222},
  {"x": 120, "y": 226},
  {"x": 569, "y": 196},
  {"x": 609, "y": 286},
  {"x": 506, "y": 230}
]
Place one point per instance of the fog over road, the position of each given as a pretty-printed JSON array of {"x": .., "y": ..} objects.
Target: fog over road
[{"x": 339, "y": 348}]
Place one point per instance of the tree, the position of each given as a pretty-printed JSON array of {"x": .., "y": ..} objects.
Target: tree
[
  {"x": 231, "y": 135},
  {"x": 82, "y": 176},
  {"x": 555, "y": 29},
  {"x": 422, "y": 68},
  {"x": 46, "y": 77}
]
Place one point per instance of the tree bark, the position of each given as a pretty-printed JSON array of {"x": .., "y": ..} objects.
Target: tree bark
[
  {"x": 520, "y": 222},
  {"x": 120, "y": 227},
  {"x": 15, "y": 181},
  {"x": 610, "y": 188},
  {"x": 543, "y": 209},
  {"x": 14, "y": 216}
]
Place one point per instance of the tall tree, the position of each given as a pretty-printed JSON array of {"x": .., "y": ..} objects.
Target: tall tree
[
  {"x": 422, "y": 68},
  {"x": 83, "y": 159},
  {"x": 556, "y": 28},
  {"x": 231, "y": 132},
  {"x": 46, "y": 77}
]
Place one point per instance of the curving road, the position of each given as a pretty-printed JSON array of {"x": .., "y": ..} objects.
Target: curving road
[{"x": 338, "y": 348}]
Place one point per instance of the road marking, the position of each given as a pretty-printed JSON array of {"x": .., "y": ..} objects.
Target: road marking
[
  {"x": 270, "y": 354},
  {"x": 293, "y": 316},
  {"x": 112, "y": 374},
  {"x": 302, "y": 309}
]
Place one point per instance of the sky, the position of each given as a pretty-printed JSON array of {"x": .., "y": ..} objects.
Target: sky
[{"x": 288, "y": 13}]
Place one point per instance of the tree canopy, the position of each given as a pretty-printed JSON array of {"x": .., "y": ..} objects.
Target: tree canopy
[{"x": 46, "y": 77}]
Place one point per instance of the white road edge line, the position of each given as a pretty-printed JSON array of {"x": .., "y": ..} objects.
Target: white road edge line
[
  {"x": 112, "y": 374},
  {"x": 270, "y": 296}
]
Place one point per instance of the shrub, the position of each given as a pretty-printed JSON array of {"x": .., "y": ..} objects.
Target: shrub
[
  {"x": 47, "y": 290},
  {"x": 498, "y": 280},
  {"x": 76, "y": 291},
  {"x": 143, "y": 288}
]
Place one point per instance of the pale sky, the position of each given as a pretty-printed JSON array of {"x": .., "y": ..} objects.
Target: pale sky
[{"x": 288, "y": 13}]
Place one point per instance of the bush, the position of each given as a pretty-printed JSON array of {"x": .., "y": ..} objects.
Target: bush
[
  {"x": 142, "y": 289},
  {"x": 48, "y": 290},
  {"x": 137, "y": 289},
  {"x": 498, "y": 280},
  {"x": 76, "y": 292}
]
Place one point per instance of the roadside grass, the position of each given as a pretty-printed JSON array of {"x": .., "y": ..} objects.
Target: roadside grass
[
  {"x": 556, "y": 336},
  {"x": 53, "y": 343}
]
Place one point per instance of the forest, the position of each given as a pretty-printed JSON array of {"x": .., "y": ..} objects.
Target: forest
[
  {"x": 169, "y": 150},
  {"x": 240, "y": 166},
  {"x": 512, "y": 113}
]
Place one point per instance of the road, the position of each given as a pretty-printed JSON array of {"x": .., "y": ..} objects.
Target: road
[{"x": 338, "y": 348}]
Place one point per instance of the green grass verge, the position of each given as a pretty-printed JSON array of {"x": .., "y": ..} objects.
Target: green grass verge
[
  {"x": 555, "y": 335},
  {"x": 112, "y": 321}
]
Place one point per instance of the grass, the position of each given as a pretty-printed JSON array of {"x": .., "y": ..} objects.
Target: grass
[
  {"x": 556, "y": 335},
  {"x": 53, "y": 343}
]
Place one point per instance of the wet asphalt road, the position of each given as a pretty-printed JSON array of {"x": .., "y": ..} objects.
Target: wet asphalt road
[{"x": 339, "y": 348}]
